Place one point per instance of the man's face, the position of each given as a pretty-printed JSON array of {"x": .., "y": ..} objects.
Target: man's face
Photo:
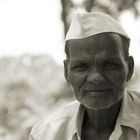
[{"x": 97, "y": 70}]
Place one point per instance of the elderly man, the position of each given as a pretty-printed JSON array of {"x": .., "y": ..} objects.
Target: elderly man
[{"x": 98, "y": 66}]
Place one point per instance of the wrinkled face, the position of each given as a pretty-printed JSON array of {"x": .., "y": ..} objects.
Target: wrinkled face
[{"x": 97, "y": 70}]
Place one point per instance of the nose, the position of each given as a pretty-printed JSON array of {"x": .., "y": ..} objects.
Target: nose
[{"x": 95, "y": 77}]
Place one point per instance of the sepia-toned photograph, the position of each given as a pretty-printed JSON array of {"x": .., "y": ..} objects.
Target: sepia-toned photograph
[{"x": 70, "y": 70}]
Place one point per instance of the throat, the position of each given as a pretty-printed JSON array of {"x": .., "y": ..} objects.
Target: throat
[{"x": 103, "y": 120}]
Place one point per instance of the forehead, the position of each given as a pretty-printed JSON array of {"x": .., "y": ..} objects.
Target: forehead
[{"x": 104, "y": 44}]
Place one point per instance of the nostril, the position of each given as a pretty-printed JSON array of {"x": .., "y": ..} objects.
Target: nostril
[{"x": 95, "y": 78}]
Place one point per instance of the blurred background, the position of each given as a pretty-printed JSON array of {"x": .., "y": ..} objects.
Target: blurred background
[{"x": 32, "y": 51}]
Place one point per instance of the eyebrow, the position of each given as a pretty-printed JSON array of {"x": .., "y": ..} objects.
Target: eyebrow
[
  {"x": 111, "y": 59},
  {"x": 78, "y": 61}
]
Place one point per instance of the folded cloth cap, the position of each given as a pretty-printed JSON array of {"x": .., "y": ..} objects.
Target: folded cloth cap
[{"x": 89, "y": 24}]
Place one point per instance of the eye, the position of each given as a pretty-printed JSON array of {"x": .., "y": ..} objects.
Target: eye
[
  {"x": 111, "y": 65},
  {"x": 80, "y": 67}
]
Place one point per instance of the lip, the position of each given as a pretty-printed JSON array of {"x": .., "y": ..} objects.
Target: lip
[{"x": 97, "y": 93}]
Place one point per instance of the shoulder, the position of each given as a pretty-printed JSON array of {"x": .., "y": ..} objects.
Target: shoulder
[
  {"x": 67, "y": 113},
  {"x": 135, "y": 97}
]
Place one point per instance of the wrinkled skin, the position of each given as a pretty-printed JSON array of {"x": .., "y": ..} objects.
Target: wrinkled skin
[{"x": 97, "y": 70}]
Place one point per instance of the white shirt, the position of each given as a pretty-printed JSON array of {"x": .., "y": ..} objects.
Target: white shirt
[{"x": 67, "y": 123}]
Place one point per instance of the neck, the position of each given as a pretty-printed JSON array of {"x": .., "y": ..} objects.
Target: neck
[{"x": 103, "y": 119}]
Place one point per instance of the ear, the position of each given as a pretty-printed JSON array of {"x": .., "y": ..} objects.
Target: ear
[
  {"x": 130, "y": 67},
  {"x": 66, "y": 70}
]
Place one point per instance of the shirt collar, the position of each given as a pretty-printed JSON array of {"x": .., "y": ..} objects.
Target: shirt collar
[
  {"x": 129, "y": 114},
  {"x": 77, "y": 122},
  {"x": 127, "y": 117}
]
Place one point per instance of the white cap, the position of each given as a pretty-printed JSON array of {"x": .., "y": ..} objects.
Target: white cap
[{"x": 89, "y": 24}]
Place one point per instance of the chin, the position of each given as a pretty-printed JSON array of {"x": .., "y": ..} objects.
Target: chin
[{"x": 98, "y": 105}]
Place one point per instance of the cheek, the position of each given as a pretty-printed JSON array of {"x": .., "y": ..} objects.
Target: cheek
[
  {"x": 117, "y": 78},
  {"x": 77, "y": 80}
]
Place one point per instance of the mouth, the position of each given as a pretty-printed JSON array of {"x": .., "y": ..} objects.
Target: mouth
[{"x": 97, "y": 93}]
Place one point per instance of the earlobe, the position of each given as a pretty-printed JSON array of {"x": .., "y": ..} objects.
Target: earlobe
[
  {"x": 130, "y": 67},
  {"x": 66, "y": 70}
]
